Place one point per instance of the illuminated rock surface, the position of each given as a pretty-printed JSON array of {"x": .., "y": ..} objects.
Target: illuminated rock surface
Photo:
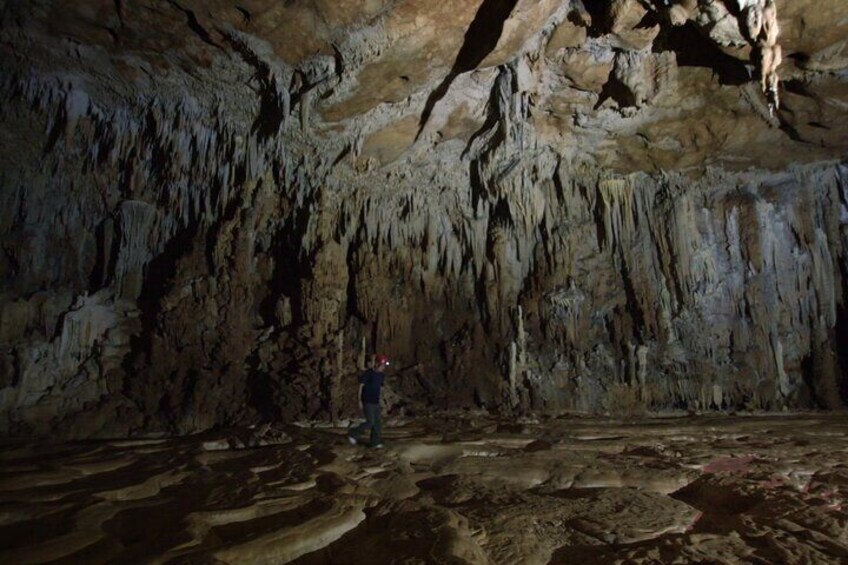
[
  {"x": 211, "y": 213},
  {"x": 460, "y": 489}
]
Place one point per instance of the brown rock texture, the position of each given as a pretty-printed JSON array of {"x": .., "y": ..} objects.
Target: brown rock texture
[
  {"x": 215, "y": 212},
  {"x": 464, "y": 488}
]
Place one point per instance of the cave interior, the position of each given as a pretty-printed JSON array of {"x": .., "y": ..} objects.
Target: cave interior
[{"x": 574, "y": 227}]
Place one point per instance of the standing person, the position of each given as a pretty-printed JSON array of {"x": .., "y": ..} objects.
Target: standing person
[{"x": 370, "y": 383}]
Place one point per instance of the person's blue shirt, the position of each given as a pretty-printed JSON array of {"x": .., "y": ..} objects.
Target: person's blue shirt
[{"x": 371, "y": 382}]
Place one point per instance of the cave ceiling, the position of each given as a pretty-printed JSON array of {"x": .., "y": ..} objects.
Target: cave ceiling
[
  {"x": 207, "y": 206},
  {"x": 631, "y": 85}
]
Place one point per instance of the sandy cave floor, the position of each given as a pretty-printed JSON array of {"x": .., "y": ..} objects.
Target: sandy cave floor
[{"x": 464, "y": 488}]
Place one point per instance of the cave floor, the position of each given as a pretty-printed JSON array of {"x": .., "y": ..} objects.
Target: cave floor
[{"x": 458, "y": 488}]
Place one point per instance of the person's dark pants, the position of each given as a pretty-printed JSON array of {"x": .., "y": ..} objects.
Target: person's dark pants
[{"x": 372, "y": 422}]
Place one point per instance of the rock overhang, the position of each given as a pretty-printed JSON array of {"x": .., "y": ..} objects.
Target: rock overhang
[{"x": 644, "y": 86}]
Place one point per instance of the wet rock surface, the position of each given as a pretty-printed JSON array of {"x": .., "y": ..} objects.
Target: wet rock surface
[{"x": 460, "y": 488}]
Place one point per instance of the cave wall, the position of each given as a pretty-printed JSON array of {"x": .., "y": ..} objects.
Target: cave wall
[
  {"x": 210, "y": 297},
  {"x": 176, "y": 258}
]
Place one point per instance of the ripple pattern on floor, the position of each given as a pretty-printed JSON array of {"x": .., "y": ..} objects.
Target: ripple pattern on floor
[{"x": 460, "y": 489}]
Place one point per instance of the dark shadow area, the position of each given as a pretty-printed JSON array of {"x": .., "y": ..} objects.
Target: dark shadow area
[
  {"x": 272, "y": 113},
  {"x": 107, "y": 255},
  {"x": 59, "y": 124},
  {"x": 245, "y": 14},
  {"x": 732, "y": 7},
  {"x": 352, "y": 306},
  {"x": 261, "y": 392},
  {"x": 722, "y": 505},
  {"x": 633, "y": 307},
  {"x": 785, "y": 126},
  {"x": 290, "y": 266},
  {"x": 194, "y": 25},
  {"x": 800, "y": 58},
  {"x": 492, "y": 117},
  {"x": 616, "y": 90},
  {"x": 649, "y": 20},
  {"x": 480, "y": 40},
  {"x": 160, "y": 158},
  {"x": 597, "y": 10},
  {"x": 841, "y": 331},
  {"x": 119, "y": 10},
  {"x": 159, "y": 275},
  {"x": 695, "y": 50},
  {"x": 158, "y": 281},
  {"x": 798, "y": 87},
  {"x": 272, "y": 108},
  {"x": 500, "y": 216},
  {"x": 598, "y": 216},
  {"x": 227, "y": 217},
  {"x": 808, "y": 375}
]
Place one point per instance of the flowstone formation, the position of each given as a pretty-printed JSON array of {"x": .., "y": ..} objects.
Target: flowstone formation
[{"x": 214, "y": 212}]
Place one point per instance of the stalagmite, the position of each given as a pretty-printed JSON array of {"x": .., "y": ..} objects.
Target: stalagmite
[
  {"x": 642, "y": 364},
  {"x": 718, "y": 397},
  {"x": 784, "y": 385},
  {"x": 513, "y": 375}
]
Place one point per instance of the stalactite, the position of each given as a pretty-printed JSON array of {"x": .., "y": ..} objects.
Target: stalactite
[
  {"x": 616, "y": 196},
  {"x": 696, "y": 276},
  {"x": 138, "y": 223}
]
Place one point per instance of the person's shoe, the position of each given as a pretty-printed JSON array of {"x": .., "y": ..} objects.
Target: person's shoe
[
  {"x": 352, "y": 440},
  {"x": 378, "y": 446}
]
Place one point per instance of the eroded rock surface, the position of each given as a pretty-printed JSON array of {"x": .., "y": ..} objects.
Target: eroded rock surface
[
  {"x": 213, "y": 212},
  {"x": 460, "y": 489}
]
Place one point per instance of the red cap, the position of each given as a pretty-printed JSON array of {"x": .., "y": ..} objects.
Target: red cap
[{"x": 382, "y": 360}]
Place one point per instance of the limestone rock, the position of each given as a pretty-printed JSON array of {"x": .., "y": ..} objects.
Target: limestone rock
[{"x": 210, "y": 212}]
